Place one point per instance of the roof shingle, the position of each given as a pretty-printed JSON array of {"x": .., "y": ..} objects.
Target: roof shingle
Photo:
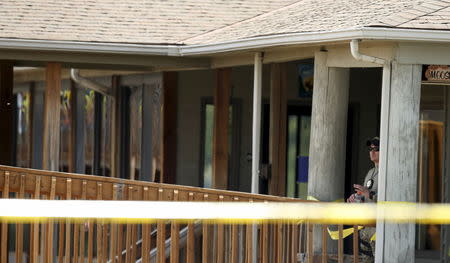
[{"x": 181, "y": 22}]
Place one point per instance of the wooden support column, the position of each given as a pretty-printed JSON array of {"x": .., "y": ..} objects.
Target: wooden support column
[
  {"x": 52, "y": 108},
  {"x": 278, "y": 108},
  {"x": 6, "y": 112},
  {"x": 169, "y": 128},
  {"x": 397, "y": 180},
  {"x": 328, "y": 135},
  {"x": 220, "y": 129}
]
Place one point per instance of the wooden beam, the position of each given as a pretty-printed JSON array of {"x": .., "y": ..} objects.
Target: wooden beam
[
  {"x": 278, "y": 111},
  {"x": 6, "y": 112},
  {"x": 52, "y": 108},
  {"x": 169, "y": 128},
  {"x": 220, "y": 129}
]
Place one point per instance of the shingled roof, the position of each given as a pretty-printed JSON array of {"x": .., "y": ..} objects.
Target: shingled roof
[
  {"x": 334, "y": 15},
  {"x": 181, "y": 22},
  {"x": 126, "y": 21}
]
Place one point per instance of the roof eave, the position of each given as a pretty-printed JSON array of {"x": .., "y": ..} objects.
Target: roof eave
[
  {"x": 365, "y": 33},
  {"x": 89, "y": 47}
]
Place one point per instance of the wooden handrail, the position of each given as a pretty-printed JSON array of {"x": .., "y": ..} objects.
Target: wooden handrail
[{"x": 108, "y": 183}]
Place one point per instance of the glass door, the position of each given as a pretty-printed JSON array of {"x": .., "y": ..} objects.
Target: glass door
[{"x": 297, "y": 146}]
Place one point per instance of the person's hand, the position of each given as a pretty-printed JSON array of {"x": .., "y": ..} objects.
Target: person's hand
[
  {"x": 362, "y": 190},
  {"x": 351, "y": 199}
]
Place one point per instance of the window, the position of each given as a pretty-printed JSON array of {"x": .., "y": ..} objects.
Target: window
[{"x": 207, "y": 122}]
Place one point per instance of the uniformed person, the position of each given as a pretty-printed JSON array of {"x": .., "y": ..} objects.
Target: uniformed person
[{"x": 368, "y": 193}]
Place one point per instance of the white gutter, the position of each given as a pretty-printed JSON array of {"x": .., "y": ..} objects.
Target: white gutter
[
  {"x": 87, "y": 83},
  {"x": 93, "y": 47},
  {"x": 384, "y": 138},
  {"x": 365, "y": 33}
]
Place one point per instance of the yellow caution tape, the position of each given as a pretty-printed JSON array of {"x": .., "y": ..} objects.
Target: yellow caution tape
[
  {"x": 345, "y": 233},
  {"x": 335, "y": 234},
  {"x": 230, "y": 212},
  {"x": 312, "y": 198}
]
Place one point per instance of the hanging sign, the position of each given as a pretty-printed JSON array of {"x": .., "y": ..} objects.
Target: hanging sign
[{"x": 436, "y": 73}]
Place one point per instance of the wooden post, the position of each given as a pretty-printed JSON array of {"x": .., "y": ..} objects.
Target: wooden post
[
  {"x": 52, "y": 108},
  {"x": 328, "y": 135},
  {"x": 277, "y": 150},
  {"x": 397, "y": 180},
  {"x": 6, "y": 112},
  {"x": 169, "y": 128},
  {"x": 220, "y": 129}
]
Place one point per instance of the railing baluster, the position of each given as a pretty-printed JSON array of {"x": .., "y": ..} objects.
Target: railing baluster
[
  {"x": 341, "y": 244},
  {"x": 113, "y": 230},
  {"x": 249, "y": 243},
  {"x": 128, "y": 241},
  {"x": 301, "y": 239},
  {"x": 279, "y": 238},
  {"x": 294, "y": 244},
  {"x": 234, "y": 239},
  {"x": 105, "y": 242},
  {"x": 174, "y": 236},
  {"x": 19, "y": 226},
  {"x": 161, "y": 234},
  {"x": 120, "y": 238},
  {"x": 355, "y": 244},
  {"x": 146, "y": 238},
  {"x": 309, "y": 242},
  {"x": 287, "y": 232},
  {"x": 190, "y": 244},
  {"x": 90, "y": 248},
  {"x": 220, "y": 239},
  {"x": 133, "y": 242},
  {"x": 83, "y": 226},
  {"x": 50, "y": 225},
  {"x": 4, "y": 250},
  {"x": 249, "y": 237},
  {"x": 68, "y": 226},
  {"x": 205, "y": 238},
  {"x": 76, "y": 240},
  {"x": 99, "y": 227},
  {"x": 60, "y": 241},
  {"x": 35, "y": 226},
  {"x": 324, "y": 244}
]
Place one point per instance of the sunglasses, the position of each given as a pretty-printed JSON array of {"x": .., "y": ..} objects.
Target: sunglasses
[{"x": 376, "y": 148}]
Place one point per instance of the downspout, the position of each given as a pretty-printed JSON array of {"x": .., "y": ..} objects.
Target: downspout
[
  {"x": 87, "y": 83},
  {"x": 384, "y": 139}
]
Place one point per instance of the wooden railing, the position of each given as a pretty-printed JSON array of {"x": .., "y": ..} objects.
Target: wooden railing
[{"x": 97, "y": 241}]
